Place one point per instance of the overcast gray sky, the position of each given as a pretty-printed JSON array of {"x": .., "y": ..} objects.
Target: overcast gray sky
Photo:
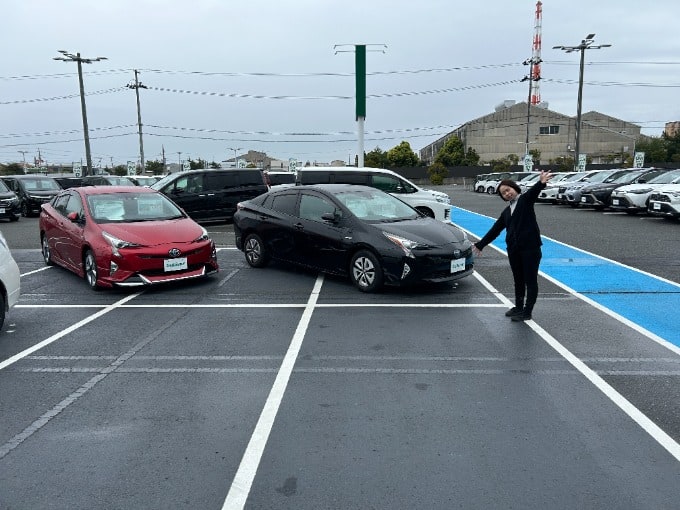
[{"x": 264, "y": 75}]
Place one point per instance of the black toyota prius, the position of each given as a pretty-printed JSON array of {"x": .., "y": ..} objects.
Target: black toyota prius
[{"x": 356, "y": 231}]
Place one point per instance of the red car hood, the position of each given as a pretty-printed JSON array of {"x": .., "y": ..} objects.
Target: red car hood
[{"x": 150, "y": 233}]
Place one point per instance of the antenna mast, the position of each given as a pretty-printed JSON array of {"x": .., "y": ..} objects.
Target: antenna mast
[{"x": 535, "y": 71}]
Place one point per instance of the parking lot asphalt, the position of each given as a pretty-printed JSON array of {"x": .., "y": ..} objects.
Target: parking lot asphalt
[{"x": 280, "y": 388}]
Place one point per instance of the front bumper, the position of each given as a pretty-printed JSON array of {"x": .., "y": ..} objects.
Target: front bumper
[{"x": 135, "y": 268}]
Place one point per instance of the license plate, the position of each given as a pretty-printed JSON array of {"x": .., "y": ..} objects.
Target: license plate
[
  {"x": 457, "y": 265},
  {"x": 656, "y": 207},
  {"x": 2, "y": 210},
  {"x": 583, "y": 199},
  {"x": 175, "y": 264},
  {"x": 615, "y": 201}
]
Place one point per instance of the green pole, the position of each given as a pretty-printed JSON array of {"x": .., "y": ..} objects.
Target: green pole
[{"x": 360, "y": 76}]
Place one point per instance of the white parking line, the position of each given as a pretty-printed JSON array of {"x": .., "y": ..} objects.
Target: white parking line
[
  {"x": 619, "y": 400},
  {"x": 64, "y": 332},
  {"x": 240, "y": 486}
]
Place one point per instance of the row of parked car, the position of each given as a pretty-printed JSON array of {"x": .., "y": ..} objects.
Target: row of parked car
[
  {"x": 128, "y": 236},
  {"x": 23, "y": 195},
  {"x": 654, "y": 191}
]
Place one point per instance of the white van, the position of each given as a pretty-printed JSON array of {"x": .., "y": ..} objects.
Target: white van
[{"x": 429, "y": 202}]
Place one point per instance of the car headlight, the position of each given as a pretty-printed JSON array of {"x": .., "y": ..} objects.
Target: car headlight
[
  {"x": 117, "y": 244},
  {"x": 443, "y": 199},
  {"x": 203, "y": 237},
  {"x": 405, "y": 244}
]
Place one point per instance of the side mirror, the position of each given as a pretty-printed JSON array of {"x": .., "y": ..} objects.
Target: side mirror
[
  {"x": 74, "y": 217},
  {"x": 332, "y": 217}
]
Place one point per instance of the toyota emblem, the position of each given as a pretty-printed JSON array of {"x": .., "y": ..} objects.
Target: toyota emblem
[{"x": 174, "y": 253}]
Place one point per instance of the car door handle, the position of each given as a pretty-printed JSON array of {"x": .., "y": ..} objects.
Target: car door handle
[{"x": 299, "y": 226}]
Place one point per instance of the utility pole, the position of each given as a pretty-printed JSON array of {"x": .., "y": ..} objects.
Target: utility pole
[
  {"x": 179, "y": 158},
  {"x": 23, "y": 153},
  {"x": 586, "y": 44},
  {"x": 532, "y": 77},
  {"x": 70, "y": 57},
  {"x": 137, "y": 86}
]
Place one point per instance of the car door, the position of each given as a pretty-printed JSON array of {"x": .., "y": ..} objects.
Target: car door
[
  {"x": 242, "y": 185},
  {"x": 219, "y": 186},
  {"x": 187, "y": 191},
  {"x": 65, "y": 237},
  {"x": 320, "y": 243}
]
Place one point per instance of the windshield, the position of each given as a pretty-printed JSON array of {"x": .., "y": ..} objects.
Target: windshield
[
  {"x": 3, "y": 186},
  {"x": 615, "y": 176},
  {"x": 131, "y": 207},
  {"x": 376, "y": 206},
  {"x": 38, "y": 184},
  {"x": 666, "y": 178},
  {"x": 162, "y": 182},
  {"x": 627, "y": 177}
]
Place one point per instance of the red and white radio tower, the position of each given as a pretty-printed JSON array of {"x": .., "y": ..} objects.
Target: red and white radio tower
[{"x": 535, "y": 71}]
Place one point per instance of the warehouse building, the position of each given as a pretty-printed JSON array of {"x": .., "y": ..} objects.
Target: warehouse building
[{"x": 495, "y": 136}]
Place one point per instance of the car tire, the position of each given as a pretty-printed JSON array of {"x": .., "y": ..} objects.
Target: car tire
[
  {"x": 255, "y": 252},
  {"x": 2, "y": 310},
  {"x": 426, "y": 211},
  {"x": 90, "y": 269},
  {"x": 46, "y": 253},
  {"x": 490, "y": 191},
  {"x": 365, "y": 271}
]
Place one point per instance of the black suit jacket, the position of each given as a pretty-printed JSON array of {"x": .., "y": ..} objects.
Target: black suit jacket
[{"x": 522, "y": 232}]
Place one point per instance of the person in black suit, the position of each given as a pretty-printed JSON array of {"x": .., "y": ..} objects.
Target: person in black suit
[{"x": 523, "y": 239}]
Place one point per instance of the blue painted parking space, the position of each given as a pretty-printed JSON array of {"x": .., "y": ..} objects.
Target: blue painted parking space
[{"x": 646, "y": 300}]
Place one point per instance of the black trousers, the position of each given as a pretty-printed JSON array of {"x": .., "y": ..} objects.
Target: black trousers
[{"x": 524, "y": 265}]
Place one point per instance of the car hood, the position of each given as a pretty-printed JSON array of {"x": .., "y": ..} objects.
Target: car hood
[
  {"x": 150, "y": 233},
  {"x": 633, "y": 187},
  {"x": 599, "y": 187},
  {"x": 668, "y": 188},
  {"x": 425, "y": 231}
]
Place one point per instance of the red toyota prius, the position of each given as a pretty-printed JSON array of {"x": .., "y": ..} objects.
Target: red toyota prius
[{"x": 124, "y": 236}]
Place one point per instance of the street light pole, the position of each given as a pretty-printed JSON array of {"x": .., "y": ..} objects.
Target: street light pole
[
  {"x": 70, "y": 57},
  {"x": 235, "y": 149},
  {"x": 586, "y": 44}
]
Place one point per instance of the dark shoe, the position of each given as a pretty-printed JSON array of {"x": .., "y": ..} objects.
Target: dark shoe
[
  {"x": 513, "y": 311},
  {"x": 522, "y": 316}
]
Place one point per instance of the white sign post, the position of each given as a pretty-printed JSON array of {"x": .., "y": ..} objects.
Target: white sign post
[
  {"x": 77, "y": 169},
  {"x": 639, "y": 160},
  {"x": 240, "y": 163},
  {"x": 186, "y": 166},
  {"x": 292, "y": 165},
  {"x": 582, "y": 162},
  {"x": 528, "y": 162},
  {"x": 131, "y": 170}
]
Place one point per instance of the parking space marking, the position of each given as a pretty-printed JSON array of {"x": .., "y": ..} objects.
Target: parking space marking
[
  {"x": 619, "y": 400},
  {"x": 43, "y": 420},
  {"x": 13, "y": 359},
  {"x": 35, "y": 271},
  {"x": 243, "y": 480},
  {"x": 605, "y": 284}
]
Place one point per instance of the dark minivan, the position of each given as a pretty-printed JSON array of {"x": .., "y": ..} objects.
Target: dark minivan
[
  {"x": 212, "y": 194},
  {"x": 32, "y": 190}
]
